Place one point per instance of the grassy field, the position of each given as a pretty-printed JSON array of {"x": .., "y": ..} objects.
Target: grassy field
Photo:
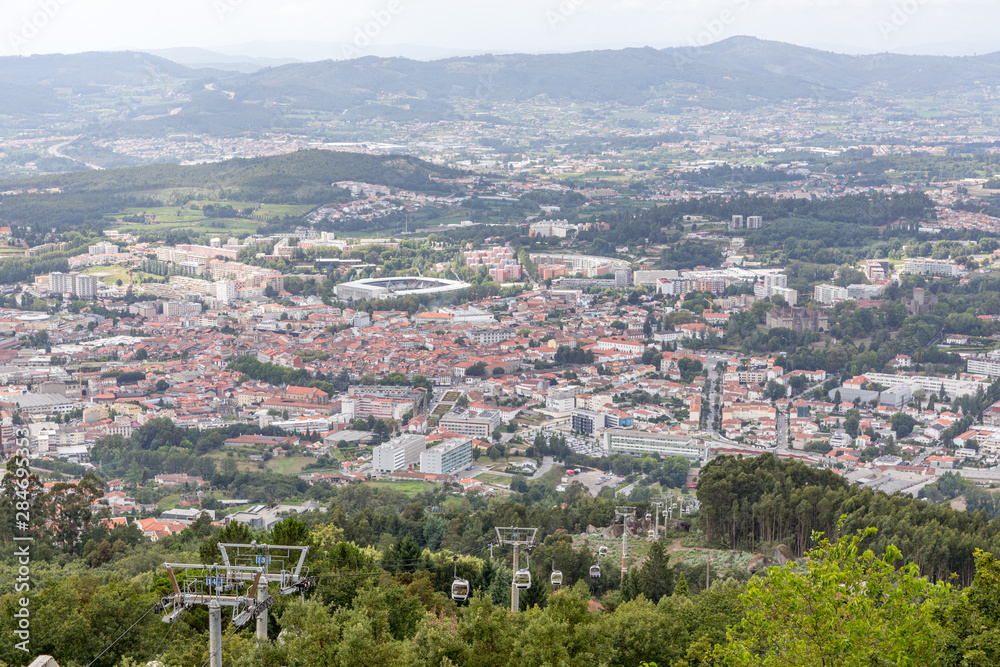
[
  {"x": 203, "y": 226},
  {"x": 289, "y": 465},
  {"x": 190, "y": 217},
  {"x": 440, "y": 222},
  {"x": 490, "y": 478},
  {"x": 409, "y": 487},
  {"x": 109, "y": 275},
  {"x": 169, "y": 502}
]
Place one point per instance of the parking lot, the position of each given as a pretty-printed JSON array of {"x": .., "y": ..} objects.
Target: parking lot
[{"x": 592, "y": 480}]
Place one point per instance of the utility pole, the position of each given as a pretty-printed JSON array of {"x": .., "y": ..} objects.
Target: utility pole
[
  {"x": 515, "y": 537},
  {"x": 624, "y": 513},
  {"x": 241, "y": 582}
]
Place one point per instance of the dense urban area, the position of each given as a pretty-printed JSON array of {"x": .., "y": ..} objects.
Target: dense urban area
[{"x": 498, "y": 375}]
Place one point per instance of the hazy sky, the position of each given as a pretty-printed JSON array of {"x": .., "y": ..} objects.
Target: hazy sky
[{"x": 854, "y": 26}]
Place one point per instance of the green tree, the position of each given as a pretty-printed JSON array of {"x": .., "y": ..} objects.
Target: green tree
[
  {"x": 291, "y": 531},
  {"x": 846, "y": 608},
  {"x": 852, "y": 422},
  {"x": 774, "y": 390},
  {"x": 655, "y": 577},
  {"x": 681, "y": 589},
  {"x": 971, "y": 619},
  {"x": 232, "y": 533},
  {"x": 477, "y": 369},
  {"x": 902, "y": 424}
]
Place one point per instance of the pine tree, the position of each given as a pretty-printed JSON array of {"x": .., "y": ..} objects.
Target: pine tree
[
  {"x": 681, "y": 589},
  {"x": 631, "y": 587}
]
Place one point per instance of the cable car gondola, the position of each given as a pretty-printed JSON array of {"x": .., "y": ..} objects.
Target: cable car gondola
[
  {"x": 603, "y": 551},
  {"x": 459, "y": 587},
  {"x": 522, "y": 578},
  {"x": 595, "y": 571},
  {"x": 556, "y": 578}
]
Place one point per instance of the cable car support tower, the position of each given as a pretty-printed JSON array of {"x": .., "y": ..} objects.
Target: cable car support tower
[
  {"x": 624, "y": 513},
  {"x": 517, "y": 537},
  {"x": 241, "y": 582}
]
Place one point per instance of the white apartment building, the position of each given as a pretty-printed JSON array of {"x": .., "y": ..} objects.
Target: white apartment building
[
  {"x": 398, "y": 454},
  {"x": 102, "y": 248},
  {"x": 775, "y": 283},
  {"x": 448, "y": 457},
  {"x": 790, "y": 296},
  {"x": 637, "y": 443},
  {"x": 562, "y": 399},
  {"x": 984, "y": 365},
  {"x": 79, "y": 285},
  {"x": 181, "y": 308},
  {"x": 225, "y": 291},
  {"x": 932, "y": 267},
  {"x": 829, "y": 294}
]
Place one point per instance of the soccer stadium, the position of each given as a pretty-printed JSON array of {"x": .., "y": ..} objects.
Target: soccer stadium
[{"x": 383, "y": 288}]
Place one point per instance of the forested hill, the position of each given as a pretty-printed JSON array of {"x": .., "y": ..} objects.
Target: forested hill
[
  {"x": 302, "y": 178},
  {"x": 143, "y": 95},
  {"x": 276, "y": 179},
  {"x": 737, "y": 72},
  {"x": 750, "y": 504}
]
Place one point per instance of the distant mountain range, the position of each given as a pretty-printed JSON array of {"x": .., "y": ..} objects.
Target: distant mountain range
[
  {"x": 737, "y": 73},
  {"x": 205, "y": 59},
  {"x": 271, "y": 54}
]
